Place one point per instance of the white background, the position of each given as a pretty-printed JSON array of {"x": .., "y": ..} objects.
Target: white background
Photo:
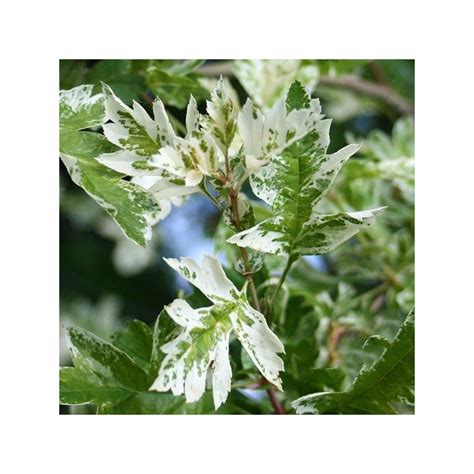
[{"x": 34, "y": 35}]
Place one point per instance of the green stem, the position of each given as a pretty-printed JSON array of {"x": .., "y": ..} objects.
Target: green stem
[{"x": 289, "y": 263}]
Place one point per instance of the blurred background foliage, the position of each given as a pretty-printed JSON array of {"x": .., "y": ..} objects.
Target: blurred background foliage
[{"x": 332, "y": 303}]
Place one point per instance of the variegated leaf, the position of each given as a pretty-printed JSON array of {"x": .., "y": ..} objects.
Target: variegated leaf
[
  {"x": 168, "y": 166},
  {"x": 79, "y": 109},
  {"x": 221, "y": 122},
  {"x": 150, "y": 147},
  {"x": 133, "y": 130},
  {"x": 138, "y": 135},
  {"x": 202, "y": 346},
  {"x": 294, "y": 182},
  {"x": 190, "y": 159},
  {"x": 266, "y": 134},
  {"x": 266, "y": 80},
  {"x": 132, "y": 208}
]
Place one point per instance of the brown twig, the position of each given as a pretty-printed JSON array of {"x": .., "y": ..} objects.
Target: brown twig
[{"x": 277, "y": 406}]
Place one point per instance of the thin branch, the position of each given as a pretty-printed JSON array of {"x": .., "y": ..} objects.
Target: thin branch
[
  {"x": 223, "y": 68},
  {"x": 371, "y": 89},
  {"x": 277, "y": 406},
  {"x": 287, "y": 268}
]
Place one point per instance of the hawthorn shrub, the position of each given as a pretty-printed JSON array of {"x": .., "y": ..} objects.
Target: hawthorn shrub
[{"x": 263, "y": 328}]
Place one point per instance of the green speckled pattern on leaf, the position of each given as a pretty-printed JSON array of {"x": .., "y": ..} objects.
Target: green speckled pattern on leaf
[
  {"x": 132, "y": 208},
  {"x": 202, "y": 346},
  {"x": 293, "y": 183}
]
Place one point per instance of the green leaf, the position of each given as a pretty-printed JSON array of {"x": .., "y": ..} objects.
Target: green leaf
[
  {"x": 106, "y": 361},
  {"x": 297, "y": 98},
  {"x": 136, "y": 340},
  {"x": 388, "y": 383},
  {"x": 116, "y": 376},
  {"x": 125, "y": 76},
  {"x": 119, "y": 74},
  {"x": 399, "y": 74},
  {"x": 79, "y": 387},
  {"x": 154, "y": 403},
  {"x": 293, "y": 183},
  {"x": 72, "y": 73},
  {"x": 203, "y": 343},
  {"x": 147, "y": 403},
  {"x": 330, "y": 377},
  {"x": 173, "y": 84}
]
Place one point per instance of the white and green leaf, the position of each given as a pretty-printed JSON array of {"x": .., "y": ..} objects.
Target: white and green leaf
[
  {"x": 266, "y": 80},
  {"x": 132, "y": 129},
  {"x": 132, "y": 208},
  {"x": 79, "y": 109},
  {"x": 266, "y": 134},
  {"x": 203, "y": 344},
  {"x": 294, "y": 182},
  {"x": 221, "y": 122}
]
